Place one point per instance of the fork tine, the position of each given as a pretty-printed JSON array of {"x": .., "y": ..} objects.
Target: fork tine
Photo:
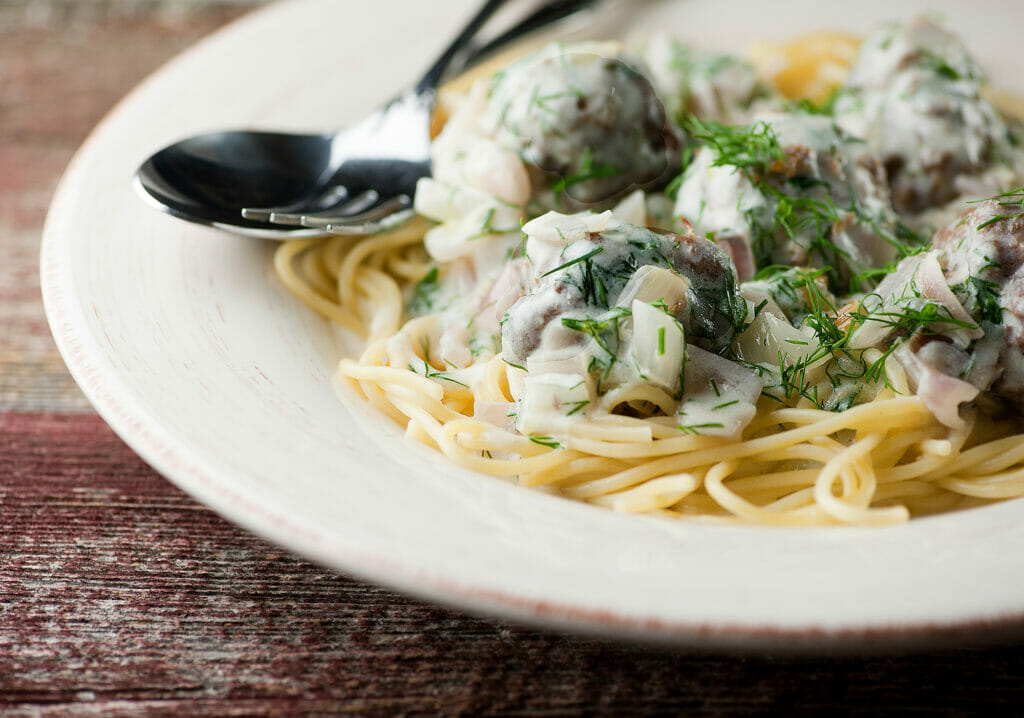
[
  {"x": 360, "y": 203},
  {"x": 373, "y": 214},
  {"x": 382, "y": 224},
  {"x": 328, "y": 200},
  {"x": 257, "y": 214}
]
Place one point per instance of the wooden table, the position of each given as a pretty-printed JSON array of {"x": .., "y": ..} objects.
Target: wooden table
[{"x": 120, "y": 595}]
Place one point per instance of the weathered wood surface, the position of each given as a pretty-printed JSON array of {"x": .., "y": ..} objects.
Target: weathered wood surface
[{"x": 119, "y": 595}]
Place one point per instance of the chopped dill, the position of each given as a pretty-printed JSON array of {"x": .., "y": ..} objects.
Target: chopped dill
[
  {"x": 430, "y": 373},
  {"x": 840, "y": 363},
  {"x": 547, "y": 441},
  {"x": 513, "y": 365},
  {"x": 754, "y": 147},
  {"x": 486, "y": 229},
  {"x": 695, "y": 428},
  {"x": 588, "y": 171},
  {"x": 577, "y": 260},
  {"x": 939, "y": 65},
  {"x": 1013, "y": 198},
  {"x": 984, "y": 294},
  {"x": 424, "y": 294},
  {"x": 606, "y": 333},
  {"x": 577, "y": 406}
]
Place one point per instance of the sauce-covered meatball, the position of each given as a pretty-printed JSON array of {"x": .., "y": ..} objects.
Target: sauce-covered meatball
[
  {"x": 589, "y": 272},
  {"x": 589, "y": 127},
  {"x": 953, "y": 316},
  {"x": 710, "y": 85},
  {"x": 982, "y": 257},
  {"x": 914, "y": 95},
  {"x": 790, "y": 189}
]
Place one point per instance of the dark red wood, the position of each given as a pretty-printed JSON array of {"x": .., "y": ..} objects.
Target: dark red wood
[
  {"x": 119, "y": 595},
  {"x": 118, "y": 592}
]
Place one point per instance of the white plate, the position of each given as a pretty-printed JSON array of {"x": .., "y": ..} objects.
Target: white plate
[{"x": 185, "y": 343}]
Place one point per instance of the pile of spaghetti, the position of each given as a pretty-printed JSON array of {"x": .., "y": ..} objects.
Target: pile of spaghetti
[{"x": 650, "y": 279}]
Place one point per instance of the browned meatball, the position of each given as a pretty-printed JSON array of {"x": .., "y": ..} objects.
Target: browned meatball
[
  {"x": 982, "y": 257},
  {"x": 590, "y": 127},
  {"x": 591, "y": 273},
  {"x": 807, "y": 194},
  {"x": 914, "y": 95}
]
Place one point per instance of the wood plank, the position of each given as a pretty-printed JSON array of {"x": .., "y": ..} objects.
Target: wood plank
[{"x": 119, "y": 594}]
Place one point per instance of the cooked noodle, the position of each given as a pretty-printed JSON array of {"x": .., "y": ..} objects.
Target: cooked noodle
[{"x": 879, "y": 462}]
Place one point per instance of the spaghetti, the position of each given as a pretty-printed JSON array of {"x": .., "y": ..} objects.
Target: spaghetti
[{"x": 875, "y": 455}]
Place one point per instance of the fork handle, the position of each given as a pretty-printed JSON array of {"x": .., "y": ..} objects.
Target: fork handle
[
  {"x": 432, "y": 78},
  {"x": 542, "y": 17}
]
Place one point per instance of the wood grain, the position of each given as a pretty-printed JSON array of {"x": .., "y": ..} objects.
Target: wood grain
[{"x": 119, "y": 595}]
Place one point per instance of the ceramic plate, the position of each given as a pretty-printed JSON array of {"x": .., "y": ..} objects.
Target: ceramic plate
[{"x": 185, "y": 343}]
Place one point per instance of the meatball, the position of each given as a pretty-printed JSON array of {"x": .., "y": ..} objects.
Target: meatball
[
  {"x": 914, "y": 95},
  {"x": 590, "y": 128},
  {"x": 588, "y": 275},
  {"x": 709, "y": 85},
  {"x": 982, "y": 257},
  {"x": 791, "y": 189}
]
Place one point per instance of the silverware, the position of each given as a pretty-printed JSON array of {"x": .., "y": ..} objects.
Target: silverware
[{"x": 357, "y": 181}]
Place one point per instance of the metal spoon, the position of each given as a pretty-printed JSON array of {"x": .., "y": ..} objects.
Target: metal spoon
[{"x": 281, "y": 185}]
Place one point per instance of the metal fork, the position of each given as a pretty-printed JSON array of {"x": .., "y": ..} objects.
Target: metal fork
[
  {"x": 357, "y": 181},
  {"x": 369, "y": 211}
]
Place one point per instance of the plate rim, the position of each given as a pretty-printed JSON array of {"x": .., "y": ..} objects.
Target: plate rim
[{"x": 113, "y": 402}]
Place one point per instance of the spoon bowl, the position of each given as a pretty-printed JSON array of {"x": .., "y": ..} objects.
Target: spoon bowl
[{"x": 211, "y": 178}]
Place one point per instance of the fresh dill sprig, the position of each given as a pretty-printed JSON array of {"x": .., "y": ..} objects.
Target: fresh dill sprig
[
  {"x": 800, "y": 208},
  {"x": 747, "y": 147},
  {"x": 928, "y": 319},
  {"x": 840, "y": 363}
]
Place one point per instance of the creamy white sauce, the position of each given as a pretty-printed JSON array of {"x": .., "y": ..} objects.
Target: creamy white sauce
[{"x": 598, "y": 316}]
